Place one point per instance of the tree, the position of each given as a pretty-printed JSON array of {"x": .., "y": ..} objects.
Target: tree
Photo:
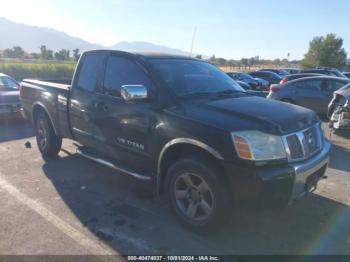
[
  {"x": 221, "y": 61},
  {"x": 15, "y": 52},
  {"x": 46, "y": 54},
  {"x": 18, "y": 52},
  {"x": 244, "y": 62},
  {"x": 62, "y": 55},
  {"x": 198, "y": 56},
  {"x": 212, "y": 59},
  {"x": 251, "y": 61},
  {"x": 325, "y": 51},
  {"x": 8, "y": 53},
  {"x": 35, "y": 55},
  {"x": 76, "y": 54}
]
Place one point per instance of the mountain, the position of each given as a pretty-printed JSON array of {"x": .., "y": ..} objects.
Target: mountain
[
  {"x": 30, "y": 38},
  {"x": 146, "y": 47}
]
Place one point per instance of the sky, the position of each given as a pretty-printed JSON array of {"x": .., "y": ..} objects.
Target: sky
[{"x": 226, "y": 28}]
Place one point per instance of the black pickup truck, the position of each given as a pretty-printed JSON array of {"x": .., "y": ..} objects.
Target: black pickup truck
[{"x": 186, "y": 127}]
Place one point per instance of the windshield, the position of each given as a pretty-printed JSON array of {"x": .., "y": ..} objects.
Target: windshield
[
  {"x": 6, "y": 83},
  {"x": 188, "y": 77}
]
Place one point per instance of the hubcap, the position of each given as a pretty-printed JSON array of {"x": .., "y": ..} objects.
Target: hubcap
[
  {"x": 194, "y": 196},
  {"x": 42, "y": 139}
]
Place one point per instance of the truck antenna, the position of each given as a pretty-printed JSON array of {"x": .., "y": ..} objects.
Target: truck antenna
[{"x": 193, "y": 37}]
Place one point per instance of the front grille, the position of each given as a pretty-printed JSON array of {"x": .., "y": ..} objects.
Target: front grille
[
  {"x": 310, "y": 141},
  {"x": 304, "y": 144},
  {"x": 295, "y": 148}
]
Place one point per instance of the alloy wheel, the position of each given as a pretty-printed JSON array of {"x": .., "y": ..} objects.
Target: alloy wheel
[
  {"x": 193, "y": 196},
  {"x": 42, "y": 134}
]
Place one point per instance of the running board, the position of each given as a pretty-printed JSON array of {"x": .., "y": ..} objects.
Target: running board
[{"x": 111, "y": 165}]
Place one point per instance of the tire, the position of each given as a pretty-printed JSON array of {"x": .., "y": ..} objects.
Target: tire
[
  {"x": 197, "y": 194},
  {"x": 48, "y": 142}
]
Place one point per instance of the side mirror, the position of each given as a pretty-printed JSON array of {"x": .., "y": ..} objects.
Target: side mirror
[{"x": 134, "y": 92}]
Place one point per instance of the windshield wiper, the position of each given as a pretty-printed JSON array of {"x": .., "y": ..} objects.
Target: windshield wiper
[{"x": 229, "y": 92}]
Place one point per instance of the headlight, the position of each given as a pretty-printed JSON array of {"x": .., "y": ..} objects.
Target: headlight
[{"x": 256, "y": 145}]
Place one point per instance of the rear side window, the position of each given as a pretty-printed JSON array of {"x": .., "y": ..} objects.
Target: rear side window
[
  {"x": 90, "y": 72},
  {"x": 259, "y": 74},
  {"x": 309, "y": 84},
  {"x": 122, "y": 71}
]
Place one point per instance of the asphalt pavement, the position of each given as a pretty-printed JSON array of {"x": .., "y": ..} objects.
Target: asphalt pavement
[{"x": 72, "y": 206}]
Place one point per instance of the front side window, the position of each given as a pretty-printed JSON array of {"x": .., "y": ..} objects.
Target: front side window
[
  {"x": 257, "y": 74},
  {"x": 122, "y": 71},
  {"x": 186, "y": 77},
  {"x": 90, "y": 72}
]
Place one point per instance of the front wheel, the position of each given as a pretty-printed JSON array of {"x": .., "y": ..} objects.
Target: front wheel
[
  {"x": 197, "y": 193},
  {"x": 48, "y": 142}
]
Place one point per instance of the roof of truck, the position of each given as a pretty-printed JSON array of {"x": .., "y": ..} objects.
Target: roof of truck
[{"x": 144, "y": 54}]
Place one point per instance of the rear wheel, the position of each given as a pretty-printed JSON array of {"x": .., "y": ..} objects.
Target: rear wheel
[
  {"x": 197, "y": 194},
  {"x": 48, "y": 142}
]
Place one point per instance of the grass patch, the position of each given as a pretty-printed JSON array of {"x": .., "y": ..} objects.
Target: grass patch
[{"x": 19, "y": 71}]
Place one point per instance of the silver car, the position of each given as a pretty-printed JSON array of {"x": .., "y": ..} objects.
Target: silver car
[
  {"x": 311, "y": 92},
  {"x": 10, "y": 106}
]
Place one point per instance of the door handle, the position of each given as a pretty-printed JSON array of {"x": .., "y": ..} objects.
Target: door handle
[{"x": 100, "y": 106}]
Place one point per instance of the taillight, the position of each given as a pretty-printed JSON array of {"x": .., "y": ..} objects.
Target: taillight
[
  {"x": 284, "y": 80},
  {"x": 274, "y": 89}
]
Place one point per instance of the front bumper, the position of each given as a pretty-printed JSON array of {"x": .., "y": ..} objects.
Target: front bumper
[
  {"x": 276, "y": 186},
  {"x": 308, "y": 173}
]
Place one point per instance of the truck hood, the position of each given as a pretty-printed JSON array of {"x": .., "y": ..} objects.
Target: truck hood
[
  {"x": 9, "y": 97},
  {"x": 252, "y": 113}
]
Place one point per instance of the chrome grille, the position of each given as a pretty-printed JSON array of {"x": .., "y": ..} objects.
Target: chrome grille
[
  {"x": 310, "y": 141},
  {"x": 295, "y": 148},
  {"x": 303, "y": 144}
]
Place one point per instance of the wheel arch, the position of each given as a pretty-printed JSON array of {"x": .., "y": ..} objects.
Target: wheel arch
[
  {"x": 40, "y": 107},
  {"x": 178, "y": 147}
]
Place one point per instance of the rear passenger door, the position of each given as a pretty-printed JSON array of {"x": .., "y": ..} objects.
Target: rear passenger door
[{"x": 308, "y": 94}]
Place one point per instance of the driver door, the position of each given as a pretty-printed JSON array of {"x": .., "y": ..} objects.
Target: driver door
[{"x": 125, "y": 126}]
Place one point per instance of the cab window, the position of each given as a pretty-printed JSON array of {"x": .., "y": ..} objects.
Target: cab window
[
  {"x": 90, "y": 71},
  {"x": 122, "y": 71}
]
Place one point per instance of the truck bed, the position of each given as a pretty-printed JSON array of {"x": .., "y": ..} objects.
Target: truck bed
[{"x": 51, "y": 97}]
